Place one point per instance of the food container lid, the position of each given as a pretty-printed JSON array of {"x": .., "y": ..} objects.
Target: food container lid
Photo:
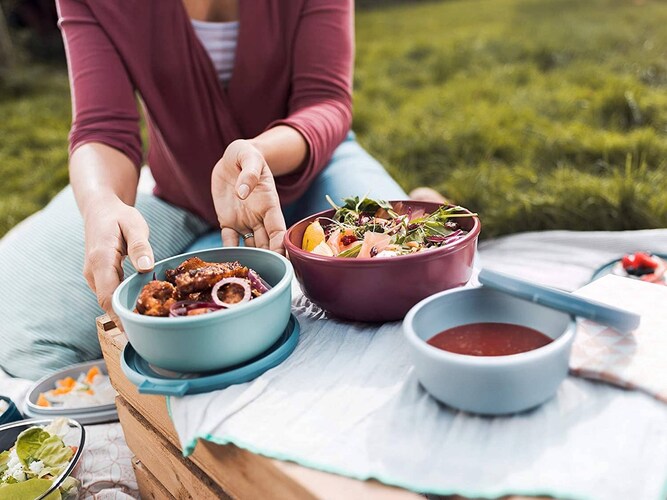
[
  {"x": 48, "y": 382},
  {"x": 84, "y": 418},
  {"x": 619, "y": 319},
  {"x": 153, "y": 380}
]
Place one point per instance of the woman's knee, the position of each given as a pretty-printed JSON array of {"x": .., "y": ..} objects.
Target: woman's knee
[{"x": 44, "y": 294}]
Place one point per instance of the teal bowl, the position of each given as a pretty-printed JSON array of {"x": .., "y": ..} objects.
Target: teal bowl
[
  {"x": 11, "y": 414},
  {"x": 216, "y": 340}
]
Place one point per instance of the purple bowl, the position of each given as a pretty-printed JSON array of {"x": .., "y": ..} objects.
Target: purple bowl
[{"x": 378, "y": 290}]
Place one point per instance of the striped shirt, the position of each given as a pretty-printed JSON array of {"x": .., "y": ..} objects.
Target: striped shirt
[{"x": 219, "y": 40}]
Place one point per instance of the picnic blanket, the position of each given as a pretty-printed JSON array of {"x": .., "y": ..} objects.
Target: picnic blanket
[{"x": 347, "y": 401}]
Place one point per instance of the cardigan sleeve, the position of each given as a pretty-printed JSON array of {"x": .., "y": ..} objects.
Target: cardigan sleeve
[
  {"x": 104, "y": 107},
  {"x": 320, "y": 104}
]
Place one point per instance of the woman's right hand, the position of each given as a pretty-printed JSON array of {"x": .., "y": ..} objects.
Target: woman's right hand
[{"x": 114, "y": 230}]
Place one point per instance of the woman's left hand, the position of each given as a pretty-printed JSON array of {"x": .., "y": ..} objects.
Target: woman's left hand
[{"x": 245, "y": 198}]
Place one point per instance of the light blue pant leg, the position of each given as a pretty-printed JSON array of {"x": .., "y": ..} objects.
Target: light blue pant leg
[
  {"x": 47, "y": 312},
  {"x": 351, "y": 172}
]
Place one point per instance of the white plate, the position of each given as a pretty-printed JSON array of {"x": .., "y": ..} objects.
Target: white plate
[
  {"x": 49, "y": 382},
  {"x": 97, "y": 417}
]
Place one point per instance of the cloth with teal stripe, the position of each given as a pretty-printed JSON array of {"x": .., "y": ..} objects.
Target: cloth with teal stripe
[{"x": 347, "y": 401}]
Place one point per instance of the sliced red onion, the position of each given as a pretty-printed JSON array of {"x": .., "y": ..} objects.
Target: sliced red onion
[
  {"x": 182, "y": 307},
  {"x": 247, "y": 292},
  {"x": 258, "y": 282}
]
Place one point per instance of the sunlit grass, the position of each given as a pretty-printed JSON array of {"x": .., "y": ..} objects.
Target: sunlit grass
[
  {"x": 35, "y": 118},
  {"x": 527, "y": 111}
]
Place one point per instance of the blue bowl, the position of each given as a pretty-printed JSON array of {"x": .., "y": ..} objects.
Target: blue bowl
[
  {"x": 216, "y": 340},
  {"x": 489, "y": 385},
  {"x": 11, "y": 414}
]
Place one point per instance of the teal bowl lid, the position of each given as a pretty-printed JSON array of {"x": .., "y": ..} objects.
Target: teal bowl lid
[
  {"x": 619, "y": 319},
  {"x": 153, "y": 380}
]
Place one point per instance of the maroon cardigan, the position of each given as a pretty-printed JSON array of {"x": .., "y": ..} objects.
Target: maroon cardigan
[{"x": 293, "y": 66}]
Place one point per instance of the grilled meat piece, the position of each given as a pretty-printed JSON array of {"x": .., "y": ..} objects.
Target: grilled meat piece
[
  {"x": 156, "y": 298},
  {"x": 195, "y": 275},
  {"x": 197, "y": 296},
  {"x": 186, "y": 266}
]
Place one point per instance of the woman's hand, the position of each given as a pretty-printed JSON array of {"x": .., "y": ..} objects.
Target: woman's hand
[
  {"x": 114, "y": 230},
  {"x": 246, "y": 199}
]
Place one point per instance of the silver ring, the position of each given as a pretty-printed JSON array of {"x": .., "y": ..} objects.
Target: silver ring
[{"x": 248, "y": 235}]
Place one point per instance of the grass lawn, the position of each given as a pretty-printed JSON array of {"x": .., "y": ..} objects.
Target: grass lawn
[{"x": 538, "y": 114}]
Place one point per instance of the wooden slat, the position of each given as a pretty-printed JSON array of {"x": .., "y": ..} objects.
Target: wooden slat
[
  {"x": 180, "y": 477},
  {"x": 240, "y": 473},
  {"x": 149, "y": 487}
]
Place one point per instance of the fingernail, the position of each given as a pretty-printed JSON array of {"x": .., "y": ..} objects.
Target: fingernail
[
  {"x": 243, "y": 191},
  {"x": 145, "y": 262}
]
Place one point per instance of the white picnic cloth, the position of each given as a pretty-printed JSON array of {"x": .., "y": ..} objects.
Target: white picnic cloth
[{"x": 347, "y": 401}]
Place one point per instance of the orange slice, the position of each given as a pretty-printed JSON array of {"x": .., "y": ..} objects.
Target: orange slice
[{"x": 312, "y": 236}]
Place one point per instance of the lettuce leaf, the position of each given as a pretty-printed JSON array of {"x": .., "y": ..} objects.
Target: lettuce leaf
[
  {"x": 37, "y": 444},
  {"x": 70, "y": 488},
  {"x": 4, "y": 458},
  {"x": 28, "y": 442},
  {"x": 28, "y": 490},
  {"x": 54, "y": 454}
]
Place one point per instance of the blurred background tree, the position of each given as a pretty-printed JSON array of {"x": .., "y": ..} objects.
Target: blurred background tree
[{"x": 538, "y": 114}]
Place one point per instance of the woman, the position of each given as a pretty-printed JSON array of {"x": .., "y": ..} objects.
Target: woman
[{"x": 248, "y": 107}]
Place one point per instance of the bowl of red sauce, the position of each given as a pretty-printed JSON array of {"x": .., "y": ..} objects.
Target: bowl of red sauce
[{"x": 484, "y": 351}]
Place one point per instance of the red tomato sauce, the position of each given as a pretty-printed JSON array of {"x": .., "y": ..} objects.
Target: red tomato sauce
[{"x": 489, "y": 339}]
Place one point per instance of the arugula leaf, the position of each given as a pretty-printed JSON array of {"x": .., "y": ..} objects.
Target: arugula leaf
[{"x": 365, "y": 205}]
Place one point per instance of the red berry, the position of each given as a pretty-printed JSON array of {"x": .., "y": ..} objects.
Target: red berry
[
  {"x": 642, "y": 259},
  {"x": 628, "y": 261},
  {"x": 348, "y": 239}
]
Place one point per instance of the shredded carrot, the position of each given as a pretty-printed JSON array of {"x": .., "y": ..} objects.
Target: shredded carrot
[
  {"x": 94, "y": 371},
  {"x": 42, "y": 401},
  {"x": 66, "y": 382},
  {"x": 90, "y": 392}
]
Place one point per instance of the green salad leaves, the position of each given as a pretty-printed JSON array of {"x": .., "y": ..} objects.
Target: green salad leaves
[{"x": 39, "y": 456}]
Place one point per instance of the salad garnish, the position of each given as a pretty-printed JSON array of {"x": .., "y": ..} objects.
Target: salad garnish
[
  {"x": 38, "y": 456},
  {"x": 91, "y": 388},
  {"x": 368, "y": 228}
]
